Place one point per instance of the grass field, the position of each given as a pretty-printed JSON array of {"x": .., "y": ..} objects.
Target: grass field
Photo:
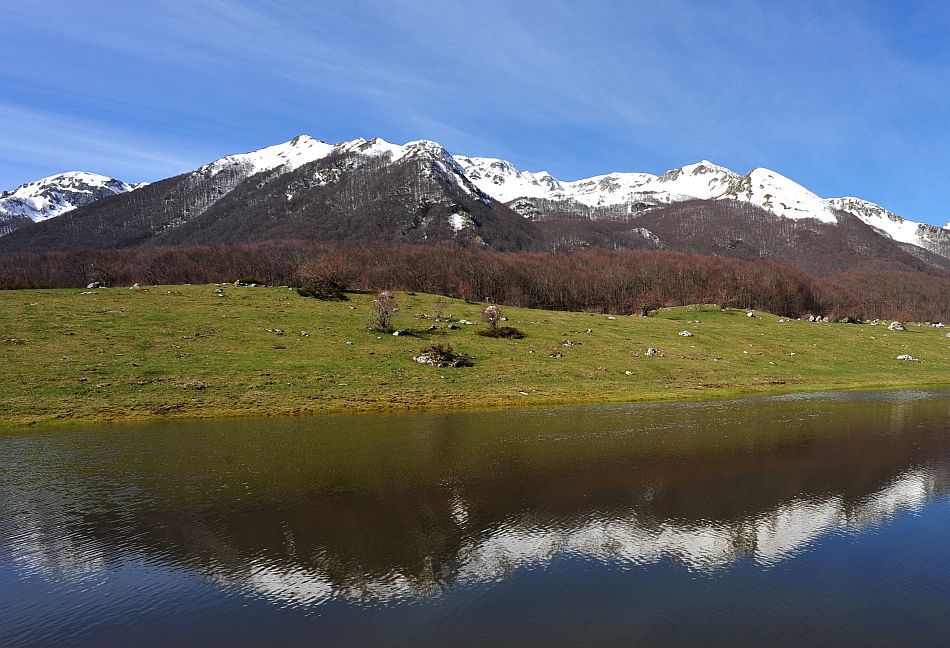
[{"x": 182, "y": 351}]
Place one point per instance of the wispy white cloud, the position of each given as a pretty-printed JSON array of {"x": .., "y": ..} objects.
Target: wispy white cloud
[{"x": 54, "y": 143}]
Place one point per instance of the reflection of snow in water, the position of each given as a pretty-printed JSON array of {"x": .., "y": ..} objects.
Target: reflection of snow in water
[
  {"x": 40, "y": 551},
  {"x": 768, "y": 539}
]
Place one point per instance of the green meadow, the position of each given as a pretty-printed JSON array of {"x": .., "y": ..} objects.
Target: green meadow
[{"x": 183, "y": 351}]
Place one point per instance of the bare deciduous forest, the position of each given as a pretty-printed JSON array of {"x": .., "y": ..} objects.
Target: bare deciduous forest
[{"x": 615, "y": 281}]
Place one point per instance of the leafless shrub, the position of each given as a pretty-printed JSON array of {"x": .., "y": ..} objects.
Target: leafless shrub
[{"x": 383, "y": 309}]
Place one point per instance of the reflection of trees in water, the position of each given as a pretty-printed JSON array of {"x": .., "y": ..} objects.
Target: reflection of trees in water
[{"x": 428, "y": 502}]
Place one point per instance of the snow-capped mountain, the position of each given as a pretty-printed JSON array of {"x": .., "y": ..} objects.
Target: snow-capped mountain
[
  {"x": 701, "y": 181},
  {"x": 303, "y": 149},
  {"x": 704, "y": 180},
  {"x": 303, "y": 188},
  {"x": 501, "y": 180},
  {"x": 55, "y": 195},
  {"x": 371, "y": 188}
]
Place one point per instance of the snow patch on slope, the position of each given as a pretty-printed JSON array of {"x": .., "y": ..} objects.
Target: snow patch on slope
[{"x": 459, "y": 221}]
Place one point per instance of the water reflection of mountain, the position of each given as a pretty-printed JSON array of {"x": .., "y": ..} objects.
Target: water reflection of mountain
[{"x": 389, "y": 508}]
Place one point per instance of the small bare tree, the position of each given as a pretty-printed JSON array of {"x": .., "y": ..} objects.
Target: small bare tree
[
  {"x": 384, "y": 307},
  {"x": 492, "y": 316},
  {"x": 439, "y": 308}
]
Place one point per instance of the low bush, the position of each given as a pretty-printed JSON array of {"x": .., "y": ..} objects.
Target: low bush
[
  {"x": 442, "y": 355},
  {"x": 325, "y": 278},
  {"x": 507, "y": 332}
]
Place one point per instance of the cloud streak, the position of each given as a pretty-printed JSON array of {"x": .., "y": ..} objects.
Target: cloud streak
[{"x": 837, "y": 99}]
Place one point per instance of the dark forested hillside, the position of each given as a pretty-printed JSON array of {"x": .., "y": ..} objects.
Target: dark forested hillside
[{"x": 354, "y": 197}]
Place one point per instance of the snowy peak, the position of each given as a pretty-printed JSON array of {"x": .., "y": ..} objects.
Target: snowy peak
[
  {"x": 289, "y": 155},
  {"x": 375, "y": 147},
  {"x": 703, "y": 180},
  {"x": 781, "y": 196},
  {"x": 57, "y": 194},
  {"x": 501, "y": 180}
]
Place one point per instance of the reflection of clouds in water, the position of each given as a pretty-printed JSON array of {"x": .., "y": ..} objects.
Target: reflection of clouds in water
[{"x": 768, "y": 539}]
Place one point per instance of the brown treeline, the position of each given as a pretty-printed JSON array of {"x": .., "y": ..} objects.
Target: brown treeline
[{"x": 622, "y": 282}]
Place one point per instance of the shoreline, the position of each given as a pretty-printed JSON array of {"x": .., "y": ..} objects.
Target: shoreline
[{"x": 349, "y": 410}]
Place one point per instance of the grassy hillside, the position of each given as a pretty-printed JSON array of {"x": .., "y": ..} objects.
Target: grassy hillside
[{"x": 183, "y": 351}]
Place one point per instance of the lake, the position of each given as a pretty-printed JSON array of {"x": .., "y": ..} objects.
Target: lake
[{"x": 796, "y": 520}]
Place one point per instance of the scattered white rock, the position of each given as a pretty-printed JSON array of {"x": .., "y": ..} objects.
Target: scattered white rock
[
  {"x": 750, "y": 314},
  {"x": 907, "y": 357},
  {"x": 896, "y": 326},
  {"x": 611, "y": 317},
  {"x": 652, "y": 351},
  {"x": 685, "y": 334},
  {"x": 627, "y": 373},
  {"x": 465, "y": 321}
]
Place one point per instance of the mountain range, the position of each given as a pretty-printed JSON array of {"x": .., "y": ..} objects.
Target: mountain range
[{"x": 419, "y": 192}]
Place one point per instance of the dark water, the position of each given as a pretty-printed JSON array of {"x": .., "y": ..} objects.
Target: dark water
[{"x": 794, "y": 521}]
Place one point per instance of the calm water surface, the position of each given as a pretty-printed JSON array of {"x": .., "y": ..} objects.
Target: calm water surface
[{"x": 792, "y": 521}]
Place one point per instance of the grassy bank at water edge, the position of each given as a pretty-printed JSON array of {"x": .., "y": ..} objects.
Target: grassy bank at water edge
[{"x": 183, "y": 351}]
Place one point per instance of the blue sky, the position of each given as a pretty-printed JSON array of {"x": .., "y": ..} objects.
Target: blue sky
[{"x": 847, "y": 98}]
